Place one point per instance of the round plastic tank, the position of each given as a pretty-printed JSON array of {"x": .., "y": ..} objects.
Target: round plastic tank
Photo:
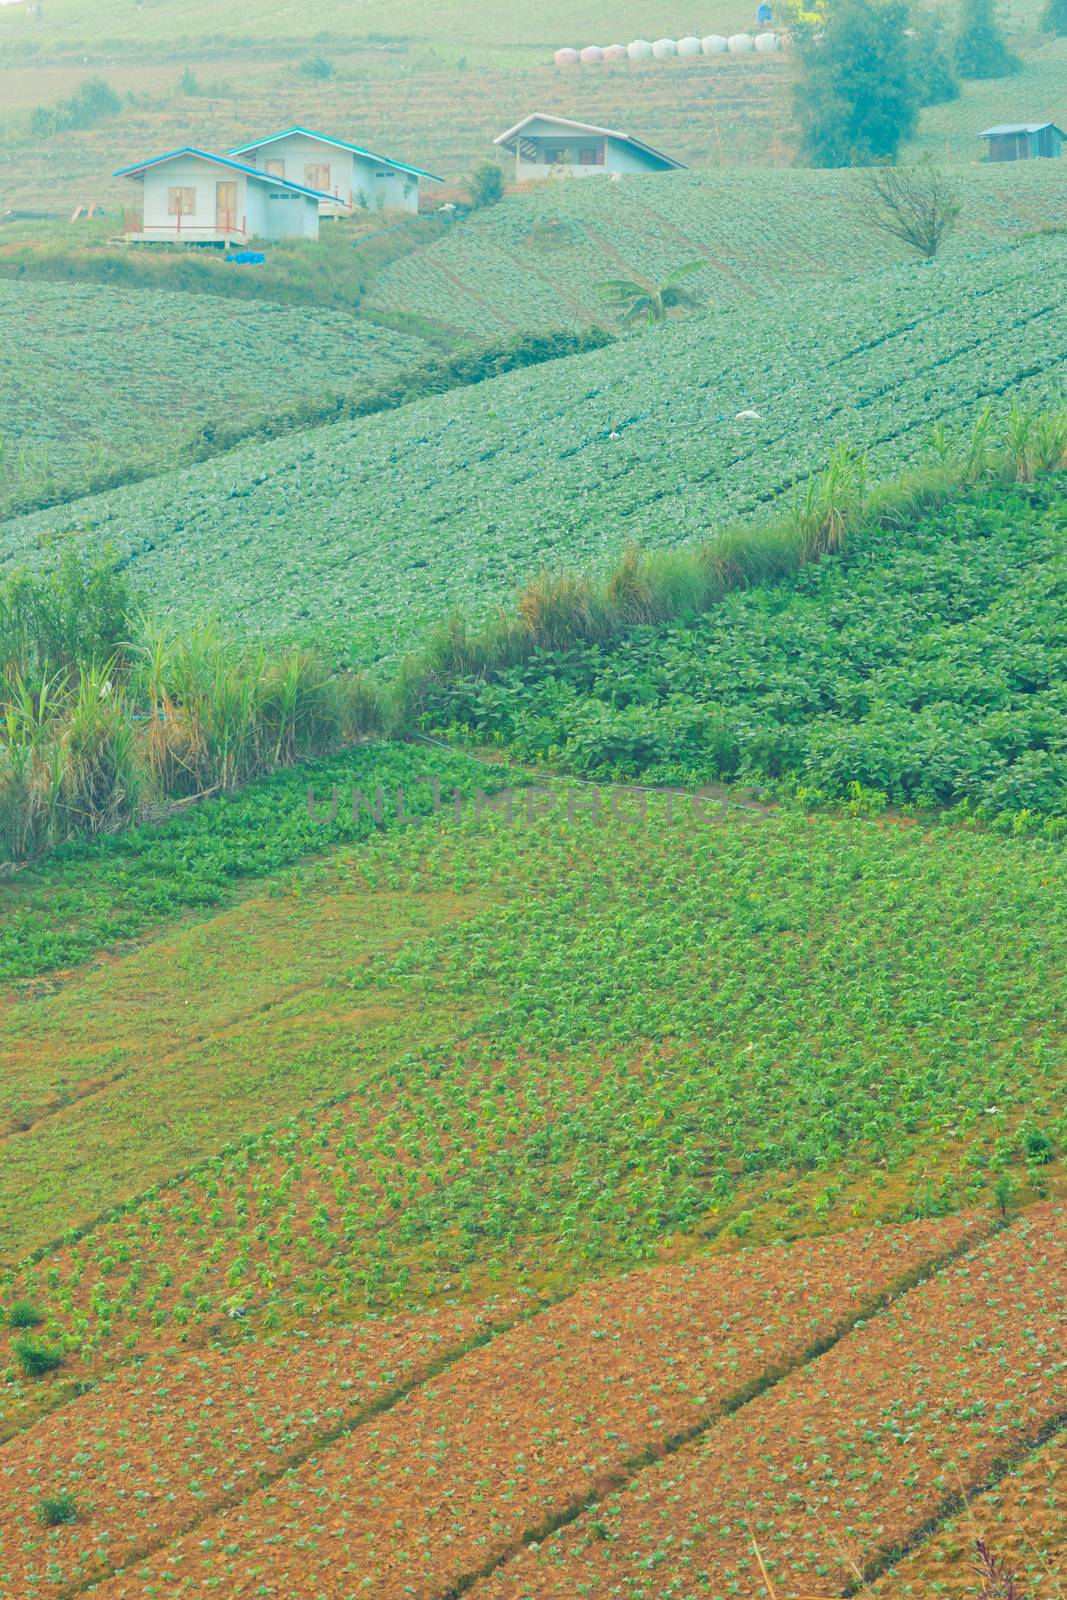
[
  {"x": 738, "y": 43},
  {"x": 592, "y": 55},
  {"x": 615, "y": 52},
  {"x": 663, "y": 49},
  {"x": 766, "y": 41},
  {"x": 690, "y": 46},
  {"x": 566, "y": 58},
  {"x": 639, "y": 50},
  {"x": 714, "y": 44}
]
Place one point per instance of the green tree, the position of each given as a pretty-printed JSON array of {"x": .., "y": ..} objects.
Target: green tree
[
  {"x": 857, "y": 99},
  {"x": 931, "y": 60},
  {"x": 1054, "y": 18},
  {"x": 485, "y": 186},
  {"x": 980, "y": 48},
  {"x": 636, "y": 300}
]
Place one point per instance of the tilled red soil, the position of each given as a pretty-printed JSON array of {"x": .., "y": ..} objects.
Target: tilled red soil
[
  {"x": 848, "y": 1459},
  {"x": 556, "y": 1410},
  {"x": 148, "y": 1454}
]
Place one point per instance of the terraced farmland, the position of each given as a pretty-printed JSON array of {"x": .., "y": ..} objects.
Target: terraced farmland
[
  {"x": 359, "y": 536},
  {"x": 847, "y": 1460},
  {"x": 99, "y": 379},
  {"x": 509, "y": 1435},
  {"x": 577, "y": 1103},
  {"x": 538, "y": 257}
]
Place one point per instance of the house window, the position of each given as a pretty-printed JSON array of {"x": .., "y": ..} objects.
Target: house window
[
  {"x": 551, "y": 153},
  {"x": 275, "y": 169},
  {"x": 181, "y": 202},
  {"x": 317, "y": 176},
  {"x": 590, "y": 155}
]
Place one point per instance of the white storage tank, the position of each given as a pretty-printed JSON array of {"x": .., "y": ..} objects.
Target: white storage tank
[
  {"x": 690, "y": 46},
  {"x": 663, "y": 49},
  {"x": 615, "y": 52},
  {"x": 592, "y": 55},
  {"x": 766, "y": 41},
  {"x": 738, "y": 43},
  {"x": 714, "y": 44},
  {"x": 566, "y": 58},
  {"x": 639, "y": 50}
]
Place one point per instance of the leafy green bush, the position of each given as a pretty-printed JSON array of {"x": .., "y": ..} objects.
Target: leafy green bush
[
  {"x": 316, "y": 67},
  {"x": 485, "y": 186},
  {"x": 36, "y": 1359},
  {"x": 55, "y": 1509},
  {"x": 93, "y": 101},
  {"x": 24, "y": 1314}
]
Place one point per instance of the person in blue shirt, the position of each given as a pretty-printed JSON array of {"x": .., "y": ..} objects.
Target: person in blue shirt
[{"x": 764, "y": 14}]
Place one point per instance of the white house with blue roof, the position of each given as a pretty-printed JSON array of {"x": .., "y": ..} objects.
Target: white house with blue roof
[
  {"x": 347, "y": 173},
  {"x": 193, "y": 197}
]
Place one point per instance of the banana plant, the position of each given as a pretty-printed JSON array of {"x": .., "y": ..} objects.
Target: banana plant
[{"x": 636, "y": 299}]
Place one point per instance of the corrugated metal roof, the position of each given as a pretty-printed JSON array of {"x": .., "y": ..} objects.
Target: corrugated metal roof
[
  {"x": 341, "y": 144},
  {"x": 222, "y": 161},
  {"x": 1019, "y": 127},
  {"x": 589, "y": 127}
]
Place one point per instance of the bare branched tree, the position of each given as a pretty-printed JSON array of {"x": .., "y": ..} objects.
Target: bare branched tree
[{"x": 918, "y": 204}]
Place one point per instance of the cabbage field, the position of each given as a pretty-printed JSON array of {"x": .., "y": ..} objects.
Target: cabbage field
[
  {"x": 360, "y": 535},
  {"x": 537, "y": 257},
  {"x": 101, "y": 378}
]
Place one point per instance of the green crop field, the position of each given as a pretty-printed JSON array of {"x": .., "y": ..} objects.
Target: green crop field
[
  {"x": 533, "y": 922},
  {"x": 97, "y": 380},
  {"x": 362, "y": 534},
  {"x": 922, "y": 666}
]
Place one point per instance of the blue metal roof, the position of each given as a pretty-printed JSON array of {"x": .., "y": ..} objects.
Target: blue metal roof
[
  {"x": 222, "y": 161},
  {"x": 342, "y": 144},
  {"x": 1019, "y": 127}
]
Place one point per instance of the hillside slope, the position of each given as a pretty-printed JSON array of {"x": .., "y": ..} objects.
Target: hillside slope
[
  {"x": 121, "y": 378},
  {"x": 538, "y": 257},
  {"x": 361, "y": 535}
]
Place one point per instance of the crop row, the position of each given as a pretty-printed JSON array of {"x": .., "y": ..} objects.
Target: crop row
[
  {"x": 532, "y": 1423},
  {"x": 848, "y": 1459},
  {"x": 150, "y": 1452},
  {"x": 924, "y": 664},
  {"x": 1022, "y": 1521},
  {"x": 606, "y": 1087},
  {"x": 536, "y": 259},
  {"x": 362, "y": 535}
]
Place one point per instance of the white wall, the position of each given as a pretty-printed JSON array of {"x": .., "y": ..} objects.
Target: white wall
[
  {"x": 297, "y": 152},
  {"x": 294, "y": 217},
  {"x": 618, "y": 156},
  {"x": 351, "y": 176},
  {"x": 188, "y": 172},
  {"x": 385, "y": 188}
]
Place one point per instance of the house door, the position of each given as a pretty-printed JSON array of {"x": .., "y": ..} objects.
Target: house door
[{"x": 225, "y": 207}]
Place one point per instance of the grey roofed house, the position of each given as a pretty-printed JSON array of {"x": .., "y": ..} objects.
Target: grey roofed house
[
  {"x": 1023, "y": 141},
  {"x": 545, "y": 146}
]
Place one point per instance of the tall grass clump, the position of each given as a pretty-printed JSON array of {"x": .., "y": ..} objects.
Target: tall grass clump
[
  {"x": 557, "y": 611},
  {"x": 103, "y": 717}
]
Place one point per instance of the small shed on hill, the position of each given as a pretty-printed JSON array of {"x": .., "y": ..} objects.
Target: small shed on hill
[
  {"x": 1024, "y": 141},
  {"x": 546, "y": 146},
  {"x": 348, "y": 174},
  {"x": 193, "y": 197}
]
